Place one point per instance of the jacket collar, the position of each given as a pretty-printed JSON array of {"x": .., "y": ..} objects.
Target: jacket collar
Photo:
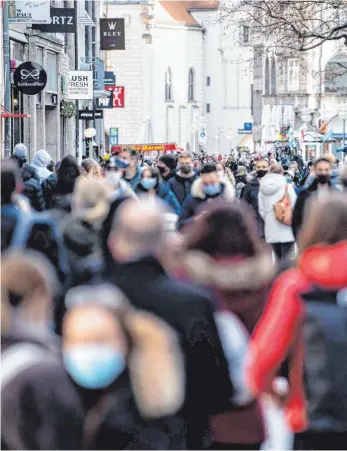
[
  {"x": 183, "y": 178},
  {"x": 230, "y": 274}
]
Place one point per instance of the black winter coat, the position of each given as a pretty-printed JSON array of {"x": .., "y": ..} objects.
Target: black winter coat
[
  {"x": 300, "y": 205},
  {"x": 189, "y": 310},
  {"x": 250, "y": 195},
  {"x": 181, "y": 186},
  {"x": 32, "y": 188},
  {"x": 9, "y": 216}
]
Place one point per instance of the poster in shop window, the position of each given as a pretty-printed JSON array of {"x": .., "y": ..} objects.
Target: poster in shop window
[
  {"x": 29, "y": 11},
  {"x": 80, "y": 85}
]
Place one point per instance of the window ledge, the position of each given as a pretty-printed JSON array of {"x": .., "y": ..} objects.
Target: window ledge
[{"x": 169, "y": 101}]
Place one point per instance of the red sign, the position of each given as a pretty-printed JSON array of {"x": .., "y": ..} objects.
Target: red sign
[
  {"x": 145, "y": 147},
  {"x": 118, "y": 95}
]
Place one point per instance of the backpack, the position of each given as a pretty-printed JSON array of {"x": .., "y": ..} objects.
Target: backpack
[
  {"x": 234, "y": 339},
  {"x": 283, "y": 209},
  {"x": 39, "y": 232},
  {"x": 325, "y": 361}
]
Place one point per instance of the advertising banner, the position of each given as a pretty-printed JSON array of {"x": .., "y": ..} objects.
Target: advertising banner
[
  {"x": 146, "y": 147},
  {"x": 63, "y": 20},
  {"x": 29, "y": 11},
  {"x": 80, "y": 85},
  {"x": 112, "y": 34}
]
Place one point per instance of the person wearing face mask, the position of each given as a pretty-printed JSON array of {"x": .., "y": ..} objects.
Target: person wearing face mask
[
  {"x": 167, "y": 165},
  {"x": 251, "y": 191},
  {"x": 132, "y": 172},
  {"x": 184, "y": 177},
  {"x": 127, "y": 372},
  {"x": 151, "y": 184},
  {"x": 321, "y": 187},
  {"x": 225, "y": 173},
  {"x": 207, "y": 188},
  {"x": 38, "y": 405},
  {"x": 114, "y": 171}
]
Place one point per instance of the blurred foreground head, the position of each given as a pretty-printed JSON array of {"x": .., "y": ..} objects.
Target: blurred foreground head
[
  {"x": 10, "y": 180},
  {"x": 138, "y": 229},
  {"x": 224, "y": 249},
  {"x": 28, "y": 283},
  {"x": 103, "y": 336},
  {"x": 91, "y": 199},
  {"x": 325, "y": 222}
]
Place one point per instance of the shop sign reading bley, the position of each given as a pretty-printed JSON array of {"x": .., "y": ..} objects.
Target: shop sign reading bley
[{"x": 80, "y": 85}]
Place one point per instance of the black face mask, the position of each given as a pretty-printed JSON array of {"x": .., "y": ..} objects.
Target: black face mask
[
  {"x": 185, "y": 168},
  {"x": 344, "y": 182},
  {"x": 261, "y": 173},
  {"x": 162, "y": 169},
  {"x": 323, "y": 178}
]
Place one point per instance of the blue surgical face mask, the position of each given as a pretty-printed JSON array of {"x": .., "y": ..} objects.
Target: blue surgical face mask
[
  {"x": 93, "y": 366},
  {"x": 149, "y": 183},
  {"x": 123, "y": 164},
  {"x": 212, "y": 190}
]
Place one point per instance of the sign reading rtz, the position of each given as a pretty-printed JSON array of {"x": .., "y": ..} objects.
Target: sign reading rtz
[
  {"x": 118, "y": 95},
  {"x": 63, "y": 20}
]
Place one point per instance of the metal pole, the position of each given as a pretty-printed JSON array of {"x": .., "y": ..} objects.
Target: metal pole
[
  {"x": 344, "y": 133},
  {"x": 77, "y": 131},
  {"x": 7, "y": 74}
]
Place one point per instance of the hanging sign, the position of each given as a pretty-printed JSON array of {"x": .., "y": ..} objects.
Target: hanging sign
[
  {"x": 63, "y": 20},
  {"x": 80, "y": 85},
  {"x": 112, "y": 34},
  {"x": 110, "y": 78},
  {"x": 118, "y": 96},
  {"x": 29, "y": 11},
  {"x": 89, "y": 115},
  {"x": 114, "y": 136},
  {"x": 30, "y": 78},
  {"x": 104, "y": 102}
]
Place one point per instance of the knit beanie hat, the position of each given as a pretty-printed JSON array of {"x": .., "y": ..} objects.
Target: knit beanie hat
[{"x": 169, "y": 160}]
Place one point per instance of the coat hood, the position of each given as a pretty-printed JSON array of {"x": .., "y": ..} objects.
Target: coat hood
[
  {"x": 42, "y": 158},
  {"x": 246, "y": 274},
  {"x": 228, "y": 191},
  {"x": 183, "y": 178},
  {"x": 271, "y": 184}
]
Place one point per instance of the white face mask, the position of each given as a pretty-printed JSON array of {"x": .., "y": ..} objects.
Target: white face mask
[{"x": 113, "y": 177}]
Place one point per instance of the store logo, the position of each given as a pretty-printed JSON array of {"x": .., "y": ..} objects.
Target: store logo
[
  {"x": 112, "y": 34},
  {"x": 26, "y": 74},
  {"x": 112, "y": 25}
]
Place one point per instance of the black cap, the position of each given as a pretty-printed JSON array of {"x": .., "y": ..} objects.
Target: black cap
[
  {"x": 169, "y": 160},
  {"x": 208, "y": 168}
]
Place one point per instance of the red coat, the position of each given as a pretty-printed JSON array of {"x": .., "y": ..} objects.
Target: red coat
[{"x": 279, "y": 329}]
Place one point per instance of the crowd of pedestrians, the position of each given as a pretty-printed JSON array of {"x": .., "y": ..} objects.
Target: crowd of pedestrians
[{"x": 171, "y": 302}]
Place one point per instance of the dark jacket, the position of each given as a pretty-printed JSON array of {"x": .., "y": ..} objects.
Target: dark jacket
[
  {"x": 247, "y": 301},
  {"x": 9, "y": 216},
  {"x": 304, "y": 195},
  {"x": 189, "y": 311},
  {"x": 136, "y": 179},
  {"x": 81, "y": 239},
  {"x": 32, "y": 188},
  {"x": 164, "y": 191},
  {"x": 195, "y": 201},
  {"x": 57, "y": 196},
  {"x": 181, "y": 186},
  {"x": 250, "y": 195}
]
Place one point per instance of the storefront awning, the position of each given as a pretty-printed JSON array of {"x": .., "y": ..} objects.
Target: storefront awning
[{"x": 4, "y": 114}]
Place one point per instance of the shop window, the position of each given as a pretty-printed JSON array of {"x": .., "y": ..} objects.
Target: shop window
[
  {"x": 52, "y": 73},
  {"x": 191, "y": 85},
  {"x": 168, "y": 84}
]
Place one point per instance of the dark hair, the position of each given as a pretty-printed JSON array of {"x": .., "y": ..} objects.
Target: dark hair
[
  {"x": 321, "y": 160},
  {"x": 67, "y": 174},
  {"x": 225, "y": 230},
  {"x": 154, "y": 172},
  {"x": 275, "y": 169},
  {"x": 325, "y": 222},
  {"x": 18, "y": 160},
  {"x": 132, "y": 152},
  {"x": 10, "y": 177},
  {"x": 51, "y": 166},
  {"x": 208, "y": 168},
  {"x": 310, "y": 163}
]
